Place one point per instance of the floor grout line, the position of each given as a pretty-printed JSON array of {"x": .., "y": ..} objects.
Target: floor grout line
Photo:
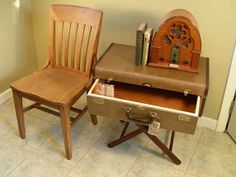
[
  {"x": 163, "y": 165},
  {"x": 30, "y": 154},
  {"x": 93, "y": 144},
  {"x": 181, "y": 170},
  {"x": 19, "y": 164},
  {"x": 138, "y": 156},
  {"x": 216, "y": 147},
  {"x": 198, "y": 141}
]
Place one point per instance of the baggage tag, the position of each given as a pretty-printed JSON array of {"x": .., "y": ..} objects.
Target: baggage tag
[{"x": 153, "y": 128}]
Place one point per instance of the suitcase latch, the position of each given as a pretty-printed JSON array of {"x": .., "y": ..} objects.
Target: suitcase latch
[
  {"x": 97, "y": 101},
  {"x": 147, "y": 85},
  {"x": 186, "y": 92},
  {"x": 184, "y": 118},
  {"x": 109, "y": 79}
]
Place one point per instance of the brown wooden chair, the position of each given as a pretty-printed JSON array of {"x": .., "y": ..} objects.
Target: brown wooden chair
[{"x": 74, "y": 36}]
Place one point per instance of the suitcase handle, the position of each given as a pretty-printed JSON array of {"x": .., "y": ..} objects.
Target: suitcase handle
[{"x": 140, "y": 118}]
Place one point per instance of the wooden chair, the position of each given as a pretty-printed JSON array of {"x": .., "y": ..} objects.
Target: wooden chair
[{"x": 74, "y": 36}]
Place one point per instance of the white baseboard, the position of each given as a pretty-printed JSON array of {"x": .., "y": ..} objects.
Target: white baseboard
[
  {"x": 207, "y": 122},
  {"x": 6, "y": 95}
]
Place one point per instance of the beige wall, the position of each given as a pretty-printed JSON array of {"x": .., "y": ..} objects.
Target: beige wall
[
  {"x": 216, "y": 19},
  {"x": 17, "y": 53}
]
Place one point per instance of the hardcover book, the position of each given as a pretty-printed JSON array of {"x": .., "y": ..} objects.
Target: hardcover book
[
  {"x": 139, "y": 42},
  {"x": 146, "y": 44}
]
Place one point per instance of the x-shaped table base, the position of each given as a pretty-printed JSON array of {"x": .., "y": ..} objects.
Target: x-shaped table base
[{"x": 157, "y": 141}]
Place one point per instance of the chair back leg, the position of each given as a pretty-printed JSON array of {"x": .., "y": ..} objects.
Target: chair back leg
[
  {"x": 19, "y": 113},
  {"x": 94, "y": 119},
  {"x": 66, "y": 129}
]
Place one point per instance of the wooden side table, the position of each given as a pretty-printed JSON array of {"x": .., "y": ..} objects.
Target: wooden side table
[{"x": 158, "y": 93}]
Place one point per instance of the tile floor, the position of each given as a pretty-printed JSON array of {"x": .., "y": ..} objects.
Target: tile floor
[{"x": 205, "y": 154}]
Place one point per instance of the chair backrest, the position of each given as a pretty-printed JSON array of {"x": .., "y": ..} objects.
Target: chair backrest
[{"x": 74, "y": 36}]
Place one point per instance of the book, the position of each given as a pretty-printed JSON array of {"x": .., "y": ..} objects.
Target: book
[
  {"x": 146, "y": 44},
  {"x": 139, "y": 42}
]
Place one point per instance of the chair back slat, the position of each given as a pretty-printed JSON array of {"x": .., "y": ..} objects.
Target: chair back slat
[
  {"x": 80, "y": 43},
  {"x": 74, "y": 37},
  {"x": 60, "y": 42},
  {"x": 67, "y": 39},
  {"x": 52, "y": 50},
  {"x": 85, "y": 53},
  {"x": 74, "y": 45}
]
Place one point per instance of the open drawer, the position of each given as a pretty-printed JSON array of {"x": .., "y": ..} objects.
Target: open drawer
[{"x": 142, "y": 105}]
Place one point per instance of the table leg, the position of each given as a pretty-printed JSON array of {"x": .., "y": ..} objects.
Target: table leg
[
  {"x": 172, "y": 140},
  {"x": 125, "y": 128},
  {"x": 125, "y": 138},
  {"x": 161, "y": 145},
  {"x": 157, "y": 141}
]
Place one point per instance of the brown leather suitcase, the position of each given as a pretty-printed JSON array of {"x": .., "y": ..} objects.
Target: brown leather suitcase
[
  {"x": 117, "y": 64},
  {"x": 174, "y": 98}
]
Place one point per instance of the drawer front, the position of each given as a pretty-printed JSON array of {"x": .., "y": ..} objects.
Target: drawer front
[{"x": 117, "y": 109}]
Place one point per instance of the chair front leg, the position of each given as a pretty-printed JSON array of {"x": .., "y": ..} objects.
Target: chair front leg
[
  {"x": 66, "y": 129},
  {"x": 19, "y": 113}
]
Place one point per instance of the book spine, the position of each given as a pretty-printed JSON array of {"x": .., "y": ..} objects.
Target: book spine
[
  {"x": 139, "y": 47},
  {"x": 146, "y": 44}
]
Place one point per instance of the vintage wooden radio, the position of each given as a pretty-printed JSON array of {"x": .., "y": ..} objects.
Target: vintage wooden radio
[{"x": 177, "y": 42}]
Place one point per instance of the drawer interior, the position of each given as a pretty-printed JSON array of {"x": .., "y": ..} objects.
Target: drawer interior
[{"x": 152, "y": 96}]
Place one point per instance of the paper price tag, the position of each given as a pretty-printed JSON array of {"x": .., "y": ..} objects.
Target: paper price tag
[{"x": 153, "y": 128}]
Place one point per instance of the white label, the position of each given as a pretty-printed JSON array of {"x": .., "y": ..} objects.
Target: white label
[{"x": 154, "y": 128}]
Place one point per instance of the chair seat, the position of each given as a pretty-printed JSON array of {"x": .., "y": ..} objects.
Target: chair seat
[{"x": 54, "y": 84}]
